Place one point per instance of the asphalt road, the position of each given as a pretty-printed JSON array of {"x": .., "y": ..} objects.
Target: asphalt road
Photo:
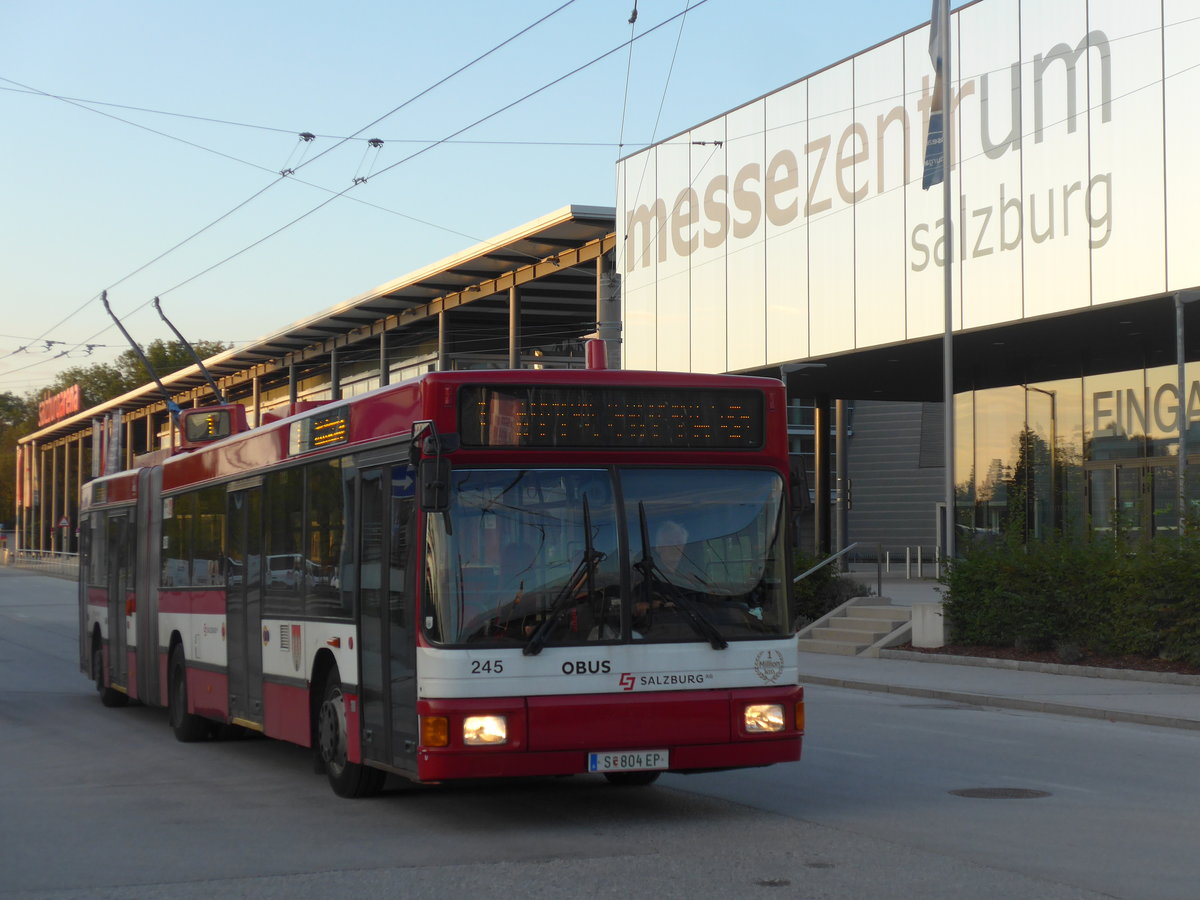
[{"x": 99, "y": 803}]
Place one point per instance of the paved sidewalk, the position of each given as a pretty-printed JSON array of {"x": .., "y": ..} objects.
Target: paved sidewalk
[
  {"x": 1119, "y": 695},
  {"x": 1098, "y": 695}
]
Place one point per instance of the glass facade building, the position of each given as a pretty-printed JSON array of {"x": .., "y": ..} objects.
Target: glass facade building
[{"x": 795, "y": 229}]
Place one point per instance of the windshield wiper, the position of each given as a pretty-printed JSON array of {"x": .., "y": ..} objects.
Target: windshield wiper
[
  {"x": 691, "y": 609},
  {"x": 585, "y": 573}
]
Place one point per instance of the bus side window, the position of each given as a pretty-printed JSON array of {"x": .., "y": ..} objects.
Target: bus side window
[{"x": 283, "y": 524}]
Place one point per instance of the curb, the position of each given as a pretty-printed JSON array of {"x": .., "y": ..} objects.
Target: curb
[
  {"x": 1047, "y": 668},
  {"x": 1061, "y": 709}
]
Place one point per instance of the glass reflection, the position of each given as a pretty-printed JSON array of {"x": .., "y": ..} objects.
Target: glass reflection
[{"x": 1098, "y": 453}]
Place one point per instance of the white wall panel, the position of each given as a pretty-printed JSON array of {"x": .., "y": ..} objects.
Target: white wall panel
[
  {"x": 785, "y": 225},
  {"x": 713, "y": 196},
  {"x": 745, "y": 258},
  {"x": 674, "y": 313},
  {"x": 926, "y": 250},
  {"x": 830, "y": 213},
  {"x": 1123, "y": 209},
  {"x": 1054, "y": 103},
  {"x": 878, "y": 184},
  {"x": 637, "y": 259},
  {"x": 989, "y": 246},
  {"x": 1181, "y": 37}
]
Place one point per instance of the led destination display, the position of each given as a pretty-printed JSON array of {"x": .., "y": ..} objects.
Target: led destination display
[{"x": 583, "y": 417}]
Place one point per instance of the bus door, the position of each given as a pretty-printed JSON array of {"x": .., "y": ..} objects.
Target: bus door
[
  {"x": 243, "y": 609},
  {"x": 120, "y": 554},
  {"x": 386, "y": 643}
]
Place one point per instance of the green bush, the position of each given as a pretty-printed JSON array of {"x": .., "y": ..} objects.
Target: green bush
[
  {"x": 1105, "y": 594},
  {"x": 821, "y": 592}
]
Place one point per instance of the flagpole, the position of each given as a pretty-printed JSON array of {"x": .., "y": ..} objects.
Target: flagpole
[{"x": 948, "y": 280}]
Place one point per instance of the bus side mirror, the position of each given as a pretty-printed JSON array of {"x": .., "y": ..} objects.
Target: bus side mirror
[{"x": 434, "y": 477}]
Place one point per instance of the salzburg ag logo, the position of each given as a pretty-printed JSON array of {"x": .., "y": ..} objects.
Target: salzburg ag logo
[{"x": 630, "y": 680}]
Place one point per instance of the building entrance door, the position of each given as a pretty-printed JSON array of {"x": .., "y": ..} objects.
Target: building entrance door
[{"x": 1136, "y": 496}]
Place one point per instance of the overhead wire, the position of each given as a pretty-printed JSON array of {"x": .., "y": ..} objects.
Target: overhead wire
[
  {"x": 293, "y": 131},
  {"x": 408, "y": 158},
  {"x": 274, "y": 182}
]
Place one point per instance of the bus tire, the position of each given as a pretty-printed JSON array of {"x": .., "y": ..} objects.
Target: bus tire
[
  {"x": 631, "y": 779},
  {"x": 346, "y": 778},
  {"x": 108, "y": 696},
  {"x": 188, "y": 727}
]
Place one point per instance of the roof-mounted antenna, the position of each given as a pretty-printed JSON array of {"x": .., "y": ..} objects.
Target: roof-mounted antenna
[{"x": 212, "y": 384}]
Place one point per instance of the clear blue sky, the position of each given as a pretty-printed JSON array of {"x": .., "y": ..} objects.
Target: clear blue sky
[{"x": 91, "y": 192}]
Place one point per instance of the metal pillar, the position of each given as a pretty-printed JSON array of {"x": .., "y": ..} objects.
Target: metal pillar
[
  {"x": 79, "y": 466},
  {"x": 256, "y": 395},
  {"x": 41, "y": 499},
  {"x": 841, "y": 482},
  {"x": 442, "y": 336},
  {"x": 54, "y": 513},
  {"x": 384, "y": 369},
  {"x": 608, "y": 308},
  {"x": 66, "y": 497},
  {"x": 292, "y": 383},
  {"x": 821, "y": 542},
  {"x": 514, "y": 328},
  {"x": 335, "y": 376}
]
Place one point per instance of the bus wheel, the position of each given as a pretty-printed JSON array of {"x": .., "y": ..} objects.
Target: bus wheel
[
  {"x": 188, "y": 727},
  {"x": 346, "y": 778},
  {"x": 631, "y": 779},
  {"x": 108, "y": 696}
]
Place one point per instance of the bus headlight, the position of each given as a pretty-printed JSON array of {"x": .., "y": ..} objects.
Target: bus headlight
[
  {"x": 484, "y": 730},
  {"x": 761, "y": 717}
]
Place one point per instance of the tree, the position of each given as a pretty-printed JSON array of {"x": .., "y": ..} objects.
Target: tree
[{"x": 98, "y": 382}]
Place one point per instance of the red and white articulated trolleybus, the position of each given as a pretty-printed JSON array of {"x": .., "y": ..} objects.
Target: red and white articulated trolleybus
[{"x": 467, "y": 575}]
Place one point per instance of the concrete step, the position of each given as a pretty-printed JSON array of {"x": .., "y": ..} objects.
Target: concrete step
[
  {"x": 840, "y": 648},
  {"x": 901, "y": 613},
  {"x": 834, "y": 632},
  {"x": 857, "y": 624}
]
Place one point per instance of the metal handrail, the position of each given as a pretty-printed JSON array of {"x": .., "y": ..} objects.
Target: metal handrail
[
  {"x": 825, "y": 562},
  {"x": 842, "y": 552}
]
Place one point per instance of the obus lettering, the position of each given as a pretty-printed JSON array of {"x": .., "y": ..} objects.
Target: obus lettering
[{"x": 587, "y": 667}]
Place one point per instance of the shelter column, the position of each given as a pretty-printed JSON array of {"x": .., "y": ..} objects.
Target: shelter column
[
  {"x": 442, "y": 335},
  {"x": 608, "y": 322},
  {"x": 821, "y": 475},
  {"x": 514, "y": 328},
  {"x": 256, "y": 401},
  {"x": 384, "y": 373},
  {"x": 291, "y": 382},
  {"x": 335, "y": 376},
  {"x": 841, "y": 483}
]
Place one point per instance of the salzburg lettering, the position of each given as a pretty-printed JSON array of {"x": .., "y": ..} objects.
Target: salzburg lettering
[
  {"x": 840, "y": 167},
  {"x": 61, "y": 405}
]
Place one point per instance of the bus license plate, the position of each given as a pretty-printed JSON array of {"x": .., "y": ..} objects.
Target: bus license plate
[{"x": 628, "y": 761}]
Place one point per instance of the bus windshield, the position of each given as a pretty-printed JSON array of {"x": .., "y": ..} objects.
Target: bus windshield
[{"x": 544, "y": 557}]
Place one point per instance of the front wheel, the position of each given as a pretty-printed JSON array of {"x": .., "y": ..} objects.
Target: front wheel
[
  {"x": 346, "y": 778},
  {"x": 108, "y": 696},
  {"x": 188, "y": 727}
]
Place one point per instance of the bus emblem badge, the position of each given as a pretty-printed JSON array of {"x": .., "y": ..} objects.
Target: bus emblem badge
[
  {"x": 768, "y": 665},
  {"x": 296, "y": 647}
]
